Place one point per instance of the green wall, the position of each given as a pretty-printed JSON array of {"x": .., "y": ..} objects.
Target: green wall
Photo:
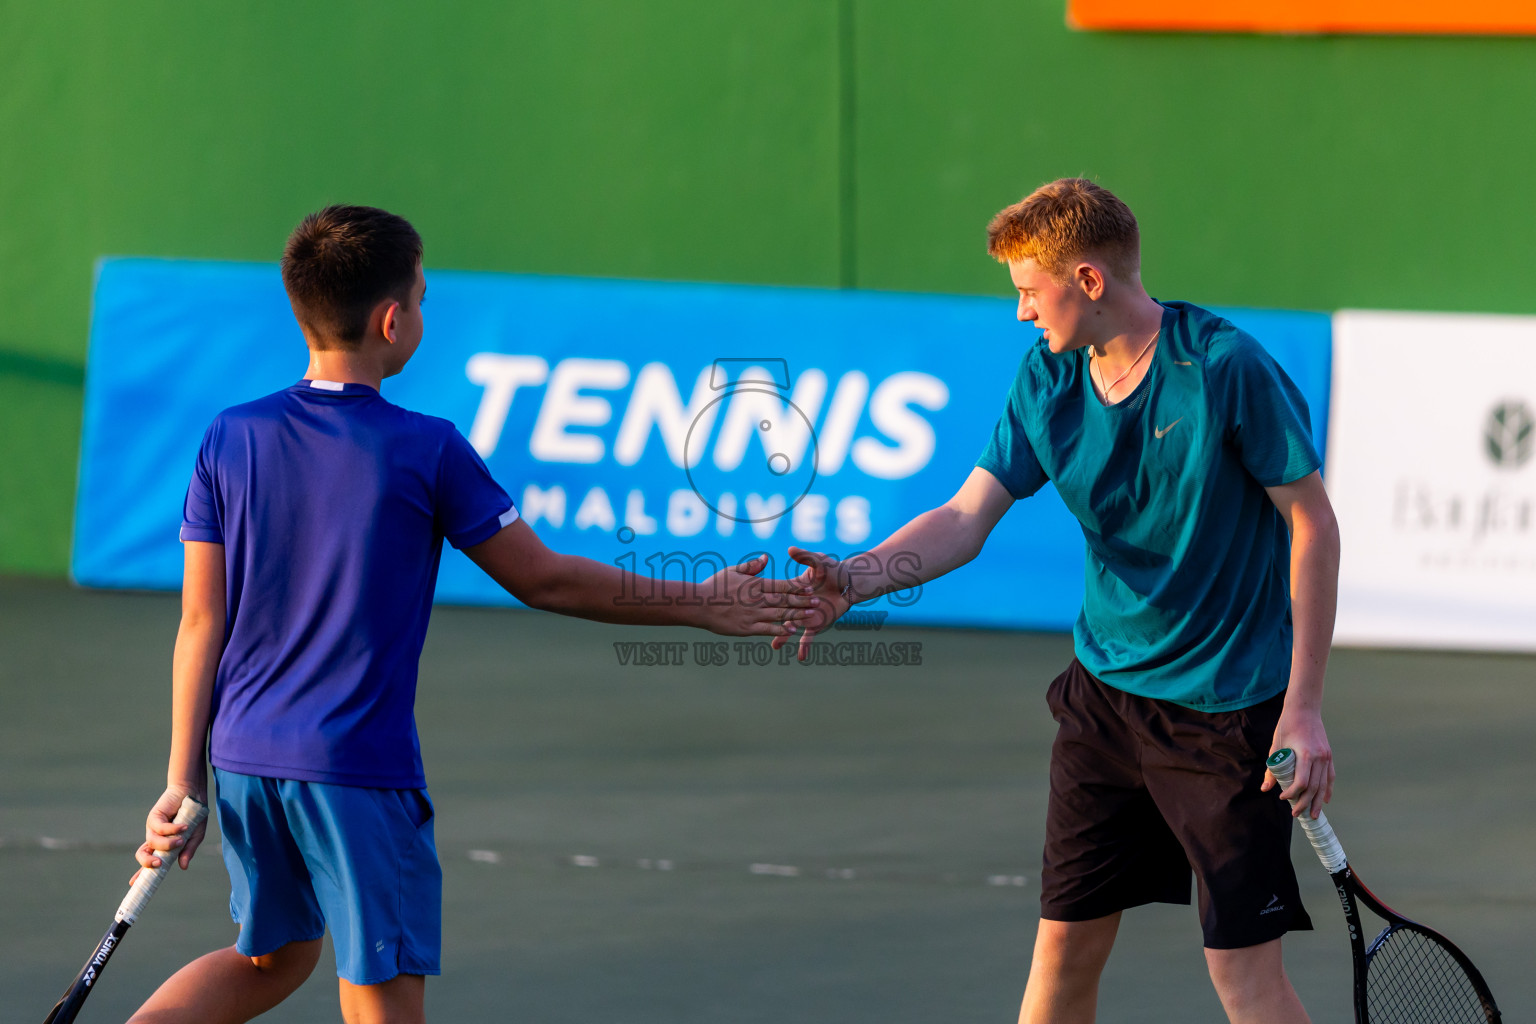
[{"x": 818, "y": 143}]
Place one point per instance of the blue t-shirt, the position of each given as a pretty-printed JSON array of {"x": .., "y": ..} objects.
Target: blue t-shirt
[
  {"x": 332, "y": 505},
  {"x": 1187, "y": 593}
]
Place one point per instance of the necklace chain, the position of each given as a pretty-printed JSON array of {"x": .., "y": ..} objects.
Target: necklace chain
[{"x": 1111, "y": 386}]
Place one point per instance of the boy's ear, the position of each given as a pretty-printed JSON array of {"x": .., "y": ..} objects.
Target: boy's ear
[
  {"x": 387, "y": 326},
  {"x": 1090, "y": 280}
]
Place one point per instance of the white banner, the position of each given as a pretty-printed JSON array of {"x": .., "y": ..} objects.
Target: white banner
[{"x": 1432, "y": 471}]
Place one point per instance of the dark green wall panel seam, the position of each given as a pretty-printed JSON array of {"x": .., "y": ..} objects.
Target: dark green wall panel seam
[
  {"x": 847, "y": 146},
  {"x": 41, "y": 368}
]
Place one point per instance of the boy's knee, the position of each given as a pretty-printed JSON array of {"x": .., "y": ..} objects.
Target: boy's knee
[
  {"x": 1075, "y": 948},
  {"x": 401, "y": 1000},
  {"x": 291, "y": 963},
  {"x": 1250, "y": 977}
]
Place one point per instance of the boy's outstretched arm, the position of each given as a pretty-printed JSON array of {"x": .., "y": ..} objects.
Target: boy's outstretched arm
[
  {"x": 199, "y": 643},
  {"x": 932, "y": 544},
  {"x": 735, "y": 601}
]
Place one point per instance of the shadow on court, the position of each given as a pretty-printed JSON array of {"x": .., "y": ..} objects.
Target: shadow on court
[{"x": 739, "y": 844}]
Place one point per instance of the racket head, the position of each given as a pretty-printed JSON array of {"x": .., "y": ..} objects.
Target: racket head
[
  {"x": 1415, "y": 975},
  {"x": 1411, "y": 974}
]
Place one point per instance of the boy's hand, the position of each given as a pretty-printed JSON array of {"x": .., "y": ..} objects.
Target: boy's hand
[
  {"x": 163, "y": 837},
  {"x": 753, "y": 605},
  {"x": 824, "y": 580},
  {"x": 1301, "y": 730}
]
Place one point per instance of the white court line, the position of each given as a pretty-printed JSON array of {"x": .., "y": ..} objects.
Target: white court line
[
  {"x": 782, "y": 870},
  {"x": 765, "y": 869}
]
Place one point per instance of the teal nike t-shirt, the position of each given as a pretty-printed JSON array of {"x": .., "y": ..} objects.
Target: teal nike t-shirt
[{"x": 1187, "y": 594}]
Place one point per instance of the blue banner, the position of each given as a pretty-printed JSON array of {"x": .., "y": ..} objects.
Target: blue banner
[{"x": 652, "y": 425}]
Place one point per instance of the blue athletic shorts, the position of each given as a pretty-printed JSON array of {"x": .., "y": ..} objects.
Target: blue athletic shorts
[{"x": 306, "y": 856}]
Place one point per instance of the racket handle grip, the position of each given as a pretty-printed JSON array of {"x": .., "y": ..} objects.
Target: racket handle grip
[
  {"x": 191, "y": 814},
  {"x": 1282, "y": 765}
]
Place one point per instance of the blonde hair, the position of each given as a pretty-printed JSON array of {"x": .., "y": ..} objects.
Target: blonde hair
[{"x": 1063, "y": 221}]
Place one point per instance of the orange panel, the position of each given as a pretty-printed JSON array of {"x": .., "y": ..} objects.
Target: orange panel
[{"x": 1460, "y": 17}]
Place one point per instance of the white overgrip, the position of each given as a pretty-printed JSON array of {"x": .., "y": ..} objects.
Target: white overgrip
[
  {"x": 191, "y": 814},
  {"x": 1282, "y": 765}
]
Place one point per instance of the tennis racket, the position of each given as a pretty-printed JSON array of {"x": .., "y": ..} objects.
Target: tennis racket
[
  {"x": 1408, "y": 974},
  {"x": 144, "y": 885}
]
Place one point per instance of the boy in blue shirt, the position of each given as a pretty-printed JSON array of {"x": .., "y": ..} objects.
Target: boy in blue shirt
[
  {"x": 312, "y": 527},
  {"x": 1211, "y": 579}
]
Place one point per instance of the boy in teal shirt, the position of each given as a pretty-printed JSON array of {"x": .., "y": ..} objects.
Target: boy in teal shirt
[{"x": 1211, "y": 579}]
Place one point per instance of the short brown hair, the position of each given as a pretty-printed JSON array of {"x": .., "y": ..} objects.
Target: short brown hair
[
  {"x": 341, "y": 262},
  {"x": 1063, "y": 221}
]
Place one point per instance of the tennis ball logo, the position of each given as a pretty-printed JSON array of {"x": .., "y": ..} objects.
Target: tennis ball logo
[
  {"x": 750, "y": 454},
  {"x": 1509, "y": 436}
]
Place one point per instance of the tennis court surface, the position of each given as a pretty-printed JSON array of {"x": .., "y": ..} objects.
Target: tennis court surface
[{"x": 740, "y": 844}]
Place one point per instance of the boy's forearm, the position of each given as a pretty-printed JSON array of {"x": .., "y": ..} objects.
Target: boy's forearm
[
  {"x": 199, "y": 643},
  {"x": 1314, "y": 600},
  {"x": 928, "y": 546},
  {"x": 606, "y": 593}
]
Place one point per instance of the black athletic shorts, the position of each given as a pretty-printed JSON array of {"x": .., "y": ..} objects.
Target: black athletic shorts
[{"x": 1144, "y": 790}]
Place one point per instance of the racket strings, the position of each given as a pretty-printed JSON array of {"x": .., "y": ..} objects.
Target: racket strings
[{"x": 1413, "y": 979}]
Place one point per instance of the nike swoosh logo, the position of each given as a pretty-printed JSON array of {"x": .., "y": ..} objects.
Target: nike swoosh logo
[
  {"x": 1177, "y": 363},
  {"x": 1160, "y": 431}
]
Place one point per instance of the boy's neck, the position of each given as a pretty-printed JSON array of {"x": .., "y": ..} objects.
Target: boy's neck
[
  {"x": 1134, "y": 321},
  {"x": 345, "y": 366}
]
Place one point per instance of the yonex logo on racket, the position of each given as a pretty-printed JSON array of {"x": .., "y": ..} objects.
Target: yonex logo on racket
[{"x": 107, "y": 945}]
